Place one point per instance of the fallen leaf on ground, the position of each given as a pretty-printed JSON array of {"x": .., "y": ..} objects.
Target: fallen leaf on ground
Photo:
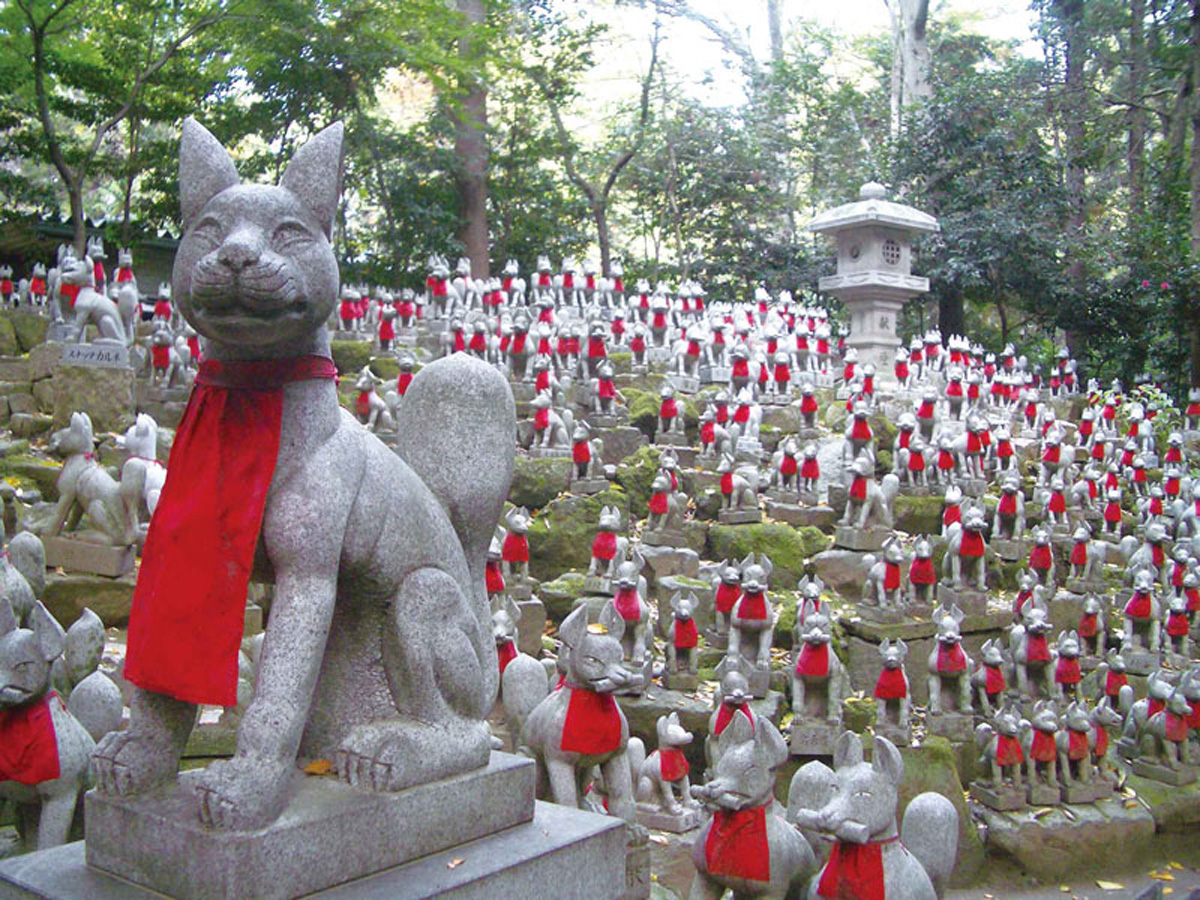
[
  {"x": 1109, "y": 885},
  {"x": 455, "y": 863},
  {"x": 318, "y": 767}
]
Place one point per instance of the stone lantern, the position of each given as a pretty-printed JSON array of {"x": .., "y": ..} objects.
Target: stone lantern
[{"x": 874, "y": 270}]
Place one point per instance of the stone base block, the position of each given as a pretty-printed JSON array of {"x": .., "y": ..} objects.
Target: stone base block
[
  {"x": 780, "y": 495},
  {"x": 865, "y": 540},
  {"x": 520, "y": 588},
  {"x": 814, "y": 738},
  {"x": 971, "y": 601},
  {"x": 737, "y": 516},
  {"x": 637, "y": 872},
  {"x": 664, "y": 539},
  {"x": 819, "y": 516},
  {"x": 681, "y": 681},
  {"x": 531, "y": 626},
  {"x": 973, "y": 487},
  {"x": 328, "y": 834},
  {"x": 517, "y": 862},
  {"x": 1139, "y": 662},
  {"x": 1157, "y": 771},
  {"x": 658, "y": 354},
  {"x": 953, "y": 726},
  {"x": 589, "y": 485},
  {"x": 676, "y": 823},
  {"x": 685, "y": 384},
  {"x": 83, "y": 556},
  {"x": 550, "y": 452},
  {"x": 1043, "y": 795},
  {"x": 1001, "y": 797},
  {"x": 670, "y": 439},
  {"x": 900, "y": 735},
  {"x": 1009, "y": 550},
  {"x": 1081, "y": 793},
  {"x": 715, "y": 374},
  {"x": 594, "y": 584},
  {"x": 717, "y": 639},
  {"x": 615, "y": 420},
  {"x": 883, "y": 615}
]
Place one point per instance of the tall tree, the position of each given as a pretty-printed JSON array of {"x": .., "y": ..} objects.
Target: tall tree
[
  {"x": 471, "y": 145},
  {"x": 76, "y": 95},
  {"x": 911, "y": 61}
]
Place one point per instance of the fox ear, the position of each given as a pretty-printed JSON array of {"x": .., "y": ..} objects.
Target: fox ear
[
  {"x": 314, "y": 176},
  {"x": 205, "y": 169},
  {"x": 847, "y": 751},
  {"x": 887, "y": 761}
]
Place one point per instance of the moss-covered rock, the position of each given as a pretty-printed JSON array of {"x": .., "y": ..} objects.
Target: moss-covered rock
[
  {"x": 350, "y": 356},
  {"x": 538, "y": 481},
  {"x": 635, "y": 476},
  {"x": 918, "y": 515},
  {"x": 622, "y": 362},
  {"x": 29, "y": 327},
  {"x": 834, "y": 416},
  {"x": 9, "y": 345},
  {"x": 29, "y": 470},
  {"x": 931, "y": 767},
  {"x": 787, "y": 547},
  {"x": 66, "y": 596},
  {"x": 786, "y": 606},
  {"x": 561, "y": 535},
  {"x": 385, "y": 367},
  {"x": 559, "y": 595}
]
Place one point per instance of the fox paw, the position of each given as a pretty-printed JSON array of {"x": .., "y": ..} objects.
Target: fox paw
[
  {"x": 128, "y": 762},
  {"x": 242, "y": 793}
]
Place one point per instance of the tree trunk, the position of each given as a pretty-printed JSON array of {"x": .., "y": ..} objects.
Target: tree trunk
[
  {"x": 1135, "y": 116},
  {"x": 1074, "y": 119},
  {"x": 471, "y": 150},
  {"x": 775, "y": 28},
  {"x": 78, "y": 222},
  {"x": 950, "y": 314},
  {"x": 1195, "y": 194},
  {"x": 600, "y": 215},
  {"x": 911, "y": 60}
]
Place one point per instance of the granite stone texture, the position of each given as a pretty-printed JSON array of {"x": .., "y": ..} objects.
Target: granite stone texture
[
  {"x": 517, "y": 862},
  {"x": 329, "y": 833}
]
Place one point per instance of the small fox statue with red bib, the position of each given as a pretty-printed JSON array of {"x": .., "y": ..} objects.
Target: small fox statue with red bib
[
  {"x": 748, "y": 846},
  {"x": 855, "y": 807}
]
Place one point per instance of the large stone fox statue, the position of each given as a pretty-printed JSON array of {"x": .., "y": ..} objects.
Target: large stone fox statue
[{"x": 379, "y": 652}]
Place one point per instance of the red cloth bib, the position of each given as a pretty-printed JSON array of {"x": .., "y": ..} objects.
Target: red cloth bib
[
  {"x": 787, "y": 465},
  {"x": 669, "y": 409},
  {"x": 752, "y": 606},
  {"x": 861, "y": 430},
  {"x": 736, "y": 845},
  {"x": 972, "y": 544},
  {"x": 1040, "y": 556},
  {"x": 1079, "y": 553},
  {"x": 1100, "y": 739},
  {"x": 725, "y": 716},
  {"x": 810, "y": 469},
  {"x": 387, "y": 332},
  {"x": 891, "y": 685},
  {"x": 515, "y": 548},
  {"x": 1078, "y": 746},
  {"x": 403, "y": 380},
  {"x": 628, "y": 604},
  {"x": 581, "y": 452},
  {"x": 1043, "y": 748},
  {"x": 854, "y": 872},
  {"x": 1177, "y": 624},
  {"x": 506, "y": 653},
  {"x": 160, "y": 357},
  {"x": 921, "y": 571},
  {"x": 1066, "y": 671},
  {"x": 813, "y": 660},
  {"x": 891, "y": 576},
  {"x": 994, "y": 682},
  {"x": 686, "y": 635},
  {"x": 186, "y": 624},
  {"x": 1036, "y": 648},
  {"x": 541, "y": 419},
  {"x": 1138, "y": 606},
  {"x": 658, "y": 503},
  {"x": 604, "y": 546},
  {"x": 858, "y": 489},
  {"x": 1008, "y": 751},
  {"x": 672, "y": 764},
  {"x": 727, "y": 597},
  {"x": 1176, "y": 728},
  {"x": 495, "y": 577},
  {"x": 29, "y": 751},
  {"x": 727, "y": 483},
  {"x": 592, "y": 725},
  {"x": 1088, "y": 625},
  {"x": 1113, "y": 682},
  {"x": 808, "y": 404},
  {"x": 1008, "y": 504},
  {"x": 951, "y": 659}
]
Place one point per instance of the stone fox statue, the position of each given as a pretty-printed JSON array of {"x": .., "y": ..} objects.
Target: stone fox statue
[{"x": 379, "y": 653}]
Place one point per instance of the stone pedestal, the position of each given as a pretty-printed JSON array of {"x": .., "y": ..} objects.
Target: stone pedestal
[
  {"x": 1140, "y": 662},
  {"x": 811, "y": 738},
  {"x": 1001, "y": 797},
  {"x": 550, "y": 452},
  {"x": 589, "y": 485},
  {"x": 520, "y": 588},
  {"x": 74, "y": 555},
  {"x": 818, "y": 516},
  {"x": 1077, "y": 792},
  {"x": 517, "y": 862},
  {"x": 676, "y": 823},
  {"x": 864, "y": 540},
  {"x": 1010, "y": 550},
  {"x": 1157, "y": 771},
  {"x": 664, "y": 538},
  {"x": 1043, "y": 795},
  {"x": 670, "y": 439},
  {"x": 954, "y": 726},
  {"x": 739, "y": 516},
  {"x": 971, "y": 601},
  {"x": 328, "y": 835},
  {"x": 715, "y": 374},
  {"x": 685, "y": 384},
  {"x": 681, "y": 681},
  {"x": 900, "y": 735}
]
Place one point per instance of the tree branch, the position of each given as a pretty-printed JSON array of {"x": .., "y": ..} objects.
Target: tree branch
[{"x": 643, "y": 117}]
